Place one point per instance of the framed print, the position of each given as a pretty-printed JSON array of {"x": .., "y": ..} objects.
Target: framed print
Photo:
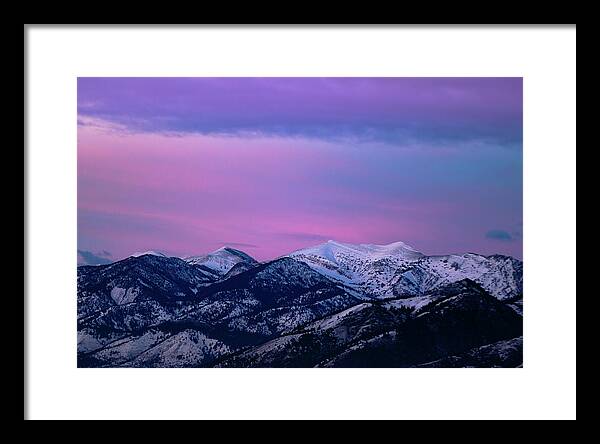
[{"x": 254, "y": 222}]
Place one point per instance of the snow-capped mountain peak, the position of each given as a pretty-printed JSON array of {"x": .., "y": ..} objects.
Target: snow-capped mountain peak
[
  {"x": 398, "y": 269},
  {"x": 232, "y": 251},
  {"x": 368, "y": 266},
  {"x": 221, "y": 260},
  {"x": 395, "y": 248},
  {"x": 331, "y": 249},
  {"x": 149, "y": 252}
]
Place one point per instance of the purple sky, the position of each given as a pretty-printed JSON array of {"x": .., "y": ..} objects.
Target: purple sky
[{"x": 270, "y": 165}]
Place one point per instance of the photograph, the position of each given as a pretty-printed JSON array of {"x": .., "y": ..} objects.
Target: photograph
[{"x": 307, "y": 222}]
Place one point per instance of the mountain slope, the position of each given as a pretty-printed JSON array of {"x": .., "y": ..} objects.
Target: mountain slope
[
  {"x": 501, "y": 276},
  {"x": 149, "y": 252},
  {"x": 271, "y": 298},
  {"x": 507, "y": 353},
  {"x": 319, "y": 340},
  {"x": 364, "y": 265},
  {"x": 222, "y": 260},
  {"x": 248, "y": 308},
  {"x": 334, "y": 305},
  {"x": 136, "y": 279},
  {"x": 397, "y": 269},
  {"x": 462, "y": 316},
  {"x": 459, "y": 317}
]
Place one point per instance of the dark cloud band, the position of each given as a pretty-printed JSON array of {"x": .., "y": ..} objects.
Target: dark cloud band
[{"x": 386, "y": 110}]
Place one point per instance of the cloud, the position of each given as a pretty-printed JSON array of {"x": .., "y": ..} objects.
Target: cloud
[
  {"x": 387, "y": 110},
  {"x": 88, "y": 258},
  {"x": 105, "y": 125},
  {"x": 499, "y": 235}
]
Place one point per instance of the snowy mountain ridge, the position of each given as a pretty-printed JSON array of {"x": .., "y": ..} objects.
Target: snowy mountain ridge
[
  {"x": 221, "y": 260},
  {"x": 149, "y": 252},
  {"x": 381, "y": 271},
  {"x": 333, "y": 304},
  {"x": 397, "y": 269}
]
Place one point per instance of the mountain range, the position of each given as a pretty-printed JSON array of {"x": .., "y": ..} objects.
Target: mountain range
[{"x": 331, "y": 305}]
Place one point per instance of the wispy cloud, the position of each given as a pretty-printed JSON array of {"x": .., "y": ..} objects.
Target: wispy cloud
[
  {"x": 499, "y": 235},
  {"x": 104, "y": 125}
]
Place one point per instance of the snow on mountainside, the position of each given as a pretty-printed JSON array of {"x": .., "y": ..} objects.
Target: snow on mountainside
[
  {"x": 507, "y": 353},
  {"x": 501, "y": 276},
  {"x": 154, "y": 311},
  {"x": 149, "y": 252},
  {"x": 104, "y": 290},
  {"x": 365, "y": 265},
  {"x": 221, "y": 260},
  {"x": 334, "y": 304},
  {"x": 459, "y": 317},
  {"x": 462, "y": 316},
  {"x": 399, "y": 270}
]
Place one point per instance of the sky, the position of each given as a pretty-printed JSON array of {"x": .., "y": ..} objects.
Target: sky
[{"x": 270, "y": 165}]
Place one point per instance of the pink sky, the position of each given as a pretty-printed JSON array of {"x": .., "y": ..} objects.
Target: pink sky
[{"x": 269, "y": 193}]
